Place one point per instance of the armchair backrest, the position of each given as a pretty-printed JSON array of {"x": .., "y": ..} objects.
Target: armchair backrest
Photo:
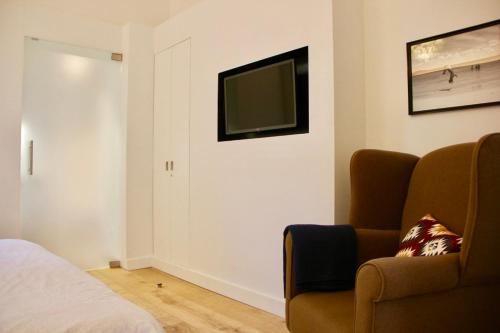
[
  {"x": 379, "y": 183},
  {"x": 440, "y": 186},
  {"x": 460, "y": 186},
  {"x": 480, "y": 256}
]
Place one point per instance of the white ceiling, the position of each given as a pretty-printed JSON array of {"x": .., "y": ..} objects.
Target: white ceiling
[{"x": 149, "y": 12}]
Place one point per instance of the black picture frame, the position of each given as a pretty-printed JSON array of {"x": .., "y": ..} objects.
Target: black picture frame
[
  {"x": 433, "y": 86},
  {"x": 300, "y": 58}
]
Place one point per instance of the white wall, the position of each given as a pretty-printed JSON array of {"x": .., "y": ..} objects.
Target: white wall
[
  {"x": 11, "y": 64},
  {"x": 243, "y": 193},
  {"x": 177, "y": 6},
  {"x": 17, "y": 21},
  {"x": 388, "y": 26},
  {"x": 138, "y": 79},
  {"x": 371, "y": 107},
  {"x": 349, "y": 92}
]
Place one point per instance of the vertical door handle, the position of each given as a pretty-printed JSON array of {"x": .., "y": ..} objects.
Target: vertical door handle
[
  {"x": 166, "y": 165},
  {"x": 172, "y": 165},
  {"x": 30, "y": 158}
]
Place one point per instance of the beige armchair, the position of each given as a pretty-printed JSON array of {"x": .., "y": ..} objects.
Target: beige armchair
[{"x": 460, "y": 292}]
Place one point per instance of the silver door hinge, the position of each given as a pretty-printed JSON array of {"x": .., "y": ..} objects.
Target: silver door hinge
[{"x": 117, "y": 56}]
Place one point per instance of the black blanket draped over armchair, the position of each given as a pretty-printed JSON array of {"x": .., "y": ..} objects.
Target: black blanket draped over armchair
[{"x": 324, "y": 257}]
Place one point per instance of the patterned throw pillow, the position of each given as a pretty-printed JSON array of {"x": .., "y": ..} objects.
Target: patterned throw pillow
[{"x": 429, "y": 238}]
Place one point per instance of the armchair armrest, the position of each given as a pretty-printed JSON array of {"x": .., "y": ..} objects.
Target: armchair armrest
[
  {"x": 385, "y": 282},
  {"x": 371, "y": 244},
  {"x": 318, "y": 258},
  {"x": 387, "y": 279}
]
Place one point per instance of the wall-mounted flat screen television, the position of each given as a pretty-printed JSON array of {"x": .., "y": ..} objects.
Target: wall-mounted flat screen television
[{"x": 266, "y": 98}]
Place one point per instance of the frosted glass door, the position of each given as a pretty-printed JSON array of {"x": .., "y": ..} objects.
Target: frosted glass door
[{"x": 71, "y": 204}]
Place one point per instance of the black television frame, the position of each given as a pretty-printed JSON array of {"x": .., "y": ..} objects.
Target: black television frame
[{"x": 301, "y": 68}]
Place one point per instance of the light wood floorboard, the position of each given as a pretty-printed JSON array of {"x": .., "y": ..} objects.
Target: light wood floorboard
[{"x": 184, "y": 307}]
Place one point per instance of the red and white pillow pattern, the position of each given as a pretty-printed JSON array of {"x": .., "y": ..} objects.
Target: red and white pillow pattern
[{"x": 429, "y": 238}]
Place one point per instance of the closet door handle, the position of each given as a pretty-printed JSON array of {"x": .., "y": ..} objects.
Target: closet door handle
[
  {"x": 172, "y": 165},
  {"x": 166, "y": 165},
  {"x": 30, "y": 158}
]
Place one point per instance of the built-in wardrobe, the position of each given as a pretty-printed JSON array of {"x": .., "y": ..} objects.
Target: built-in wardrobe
[{"x": 171, "y": 155}]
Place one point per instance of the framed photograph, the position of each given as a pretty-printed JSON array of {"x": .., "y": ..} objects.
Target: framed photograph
[{"x": 456, "y": 70}]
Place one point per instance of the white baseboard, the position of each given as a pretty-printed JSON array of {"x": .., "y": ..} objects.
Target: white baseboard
[
  {"x": 137, "y": 263},
  {"x": 96, "y": 268},
  {"x": 251, "y": 297}
]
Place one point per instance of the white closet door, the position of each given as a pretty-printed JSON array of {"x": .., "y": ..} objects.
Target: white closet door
[
  {"x": 171, "y": 171},
  {"x": 162, "y": 144},
  {"x": 180, "y": 153}
]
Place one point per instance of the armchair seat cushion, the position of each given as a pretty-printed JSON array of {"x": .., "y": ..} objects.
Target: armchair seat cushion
[{"x": 322, "y": 312}]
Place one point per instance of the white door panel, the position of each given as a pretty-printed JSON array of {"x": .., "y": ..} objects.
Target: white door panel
[
  {"x": 71, "y": 111},
  {"x": 171, "y": 141},
  {"x": 162, "y": 144}
]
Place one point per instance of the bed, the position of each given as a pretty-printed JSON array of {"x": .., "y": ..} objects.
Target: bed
[{"x": 42, "y": 293}]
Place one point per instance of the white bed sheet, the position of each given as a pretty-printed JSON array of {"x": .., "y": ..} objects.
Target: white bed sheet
[{"x": 42, "y": 293}]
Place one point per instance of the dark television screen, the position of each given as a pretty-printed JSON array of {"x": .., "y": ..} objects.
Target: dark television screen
[{"x": 265, "y": 98}]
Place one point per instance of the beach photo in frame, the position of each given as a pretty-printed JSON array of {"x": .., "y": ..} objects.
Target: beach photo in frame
[{"x": 455, "y": 70}]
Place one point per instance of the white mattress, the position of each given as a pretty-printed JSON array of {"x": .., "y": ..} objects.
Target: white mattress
[{"x": 42, "y": 293}]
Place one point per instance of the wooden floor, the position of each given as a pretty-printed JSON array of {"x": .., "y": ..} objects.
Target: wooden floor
[{"x": 183, "y": 307}]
